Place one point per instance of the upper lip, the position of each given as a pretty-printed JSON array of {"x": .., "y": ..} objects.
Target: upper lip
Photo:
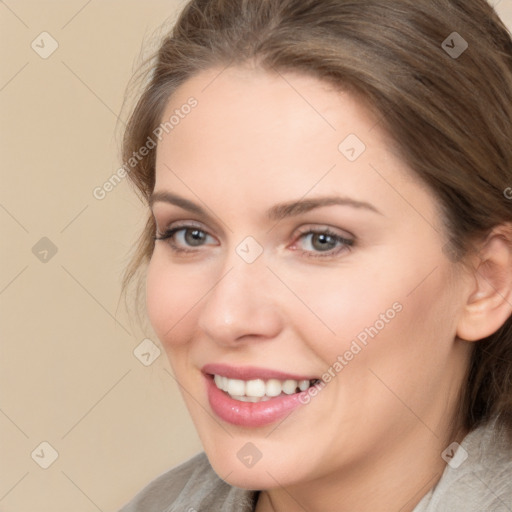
[{"x": 251, "y": 372}]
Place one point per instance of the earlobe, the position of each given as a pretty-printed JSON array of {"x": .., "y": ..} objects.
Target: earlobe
[{"x": 489, "y": 303}]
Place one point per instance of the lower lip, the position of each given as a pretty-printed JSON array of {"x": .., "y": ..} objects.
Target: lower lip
[{"x": 249, "y": 414}]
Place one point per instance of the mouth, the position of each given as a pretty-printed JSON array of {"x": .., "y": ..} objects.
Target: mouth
[
  {"x": 254, "y": 397},
  {"x": 259, "y": 390}
]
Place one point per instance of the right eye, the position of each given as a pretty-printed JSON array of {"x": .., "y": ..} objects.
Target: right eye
[{"x": 186, "y": 238}]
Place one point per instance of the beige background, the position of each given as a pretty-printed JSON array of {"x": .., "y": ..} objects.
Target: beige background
[{"x": 68, "y": 373}]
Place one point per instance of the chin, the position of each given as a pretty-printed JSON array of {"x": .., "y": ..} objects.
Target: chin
[{"x": 239, "y": 470}]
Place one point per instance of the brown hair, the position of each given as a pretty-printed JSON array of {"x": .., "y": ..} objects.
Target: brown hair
[{"x": 450, "y": 115}]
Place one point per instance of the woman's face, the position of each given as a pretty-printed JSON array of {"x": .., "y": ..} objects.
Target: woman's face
[{"x": 301, "y": 248}]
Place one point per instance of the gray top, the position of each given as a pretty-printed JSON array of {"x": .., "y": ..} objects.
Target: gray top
[{"x": 477, "y": 478}]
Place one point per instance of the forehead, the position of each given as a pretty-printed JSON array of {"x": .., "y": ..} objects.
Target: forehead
[
  {"x": 263, "y": 112},
  {"x": 273, "y": 137}
]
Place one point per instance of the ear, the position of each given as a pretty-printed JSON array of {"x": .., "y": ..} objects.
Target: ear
[{"x": 489, "y": 301}]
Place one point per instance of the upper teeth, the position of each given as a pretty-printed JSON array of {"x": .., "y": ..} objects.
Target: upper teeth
[{"x": 258, "y": 388}]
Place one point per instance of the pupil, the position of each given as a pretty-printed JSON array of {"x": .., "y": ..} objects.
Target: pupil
[
  {"x": 194, "y": 237},
  {"x": 323, "y": 242}
]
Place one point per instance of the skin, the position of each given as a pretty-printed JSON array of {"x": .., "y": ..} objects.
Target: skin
[{"x": 256, "y": 140}]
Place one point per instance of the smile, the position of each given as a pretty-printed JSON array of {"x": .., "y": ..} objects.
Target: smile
[
  {"x": 259, "y": 390},
  {"x": 253, "y": 397}
]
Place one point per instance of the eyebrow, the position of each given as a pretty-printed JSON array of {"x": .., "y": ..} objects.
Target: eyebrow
[
  {"x": 292, "y": 208},
  {"x": 277, "y": 212}
]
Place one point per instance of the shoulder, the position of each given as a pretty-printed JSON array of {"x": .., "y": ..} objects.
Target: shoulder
[
  {"x": 193, "y": 486},
  {"x": 478, "y": 475}
]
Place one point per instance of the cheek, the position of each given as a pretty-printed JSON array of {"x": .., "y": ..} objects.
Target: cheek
[
  {"x": 172, "y": 293},
  {"x": 391, "y": 304},
  {"x": 334, "y": 306},
  {"x": 412, "y": 347}
]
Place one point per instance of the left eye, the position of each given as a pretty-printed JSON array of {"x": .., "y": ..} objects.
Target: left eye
[
  {"x": 191, "y": 237},
  {"x": 323, "y": 241}
]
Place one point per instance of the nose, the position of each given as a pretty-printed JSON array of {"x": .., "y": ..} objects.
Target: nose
[{"x": 241, "y": 307}]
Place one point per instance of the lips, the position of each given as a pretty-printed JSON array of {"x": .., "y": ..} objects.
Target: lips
[
  {"x": 251, "y": 372},
  {"x": 253, "y": 397}
]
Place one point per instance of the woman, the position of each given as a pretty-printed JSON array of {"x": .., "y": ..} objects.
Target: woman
[{"x": 329, "y": 253}]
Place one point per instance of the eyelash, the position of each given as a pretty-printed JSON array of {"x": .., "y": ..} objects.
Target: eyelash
[{"x": 346, "y": 243}]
